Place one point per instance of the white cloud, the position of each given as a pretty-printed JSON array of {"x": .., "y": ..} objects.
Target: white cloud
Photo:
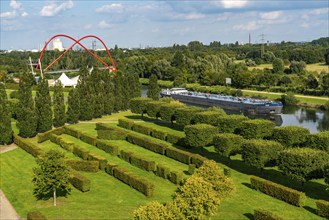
[
  {"x": 8, "y": 14},
  {"x": 24, "y": 14},
  {"x": 194, "y": 16},
  {"x": 103, "y": 24},
  {"x": 14, "y": 4},
  {"x": 88, "y": 26},
  {"x": 271, "y": 15},
  {"x": 155, "y": 30},
  {"x": 233, "y": 3},
  {"x": 109, "y": 8},
  {"x": 53, "y": 9},
  {"x": 319, "y": 11},
  {"x": 251, "y": 26}
]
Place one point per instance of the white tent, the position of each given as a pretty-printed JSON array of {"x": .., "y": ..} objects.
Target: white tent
[
  {"x": 66, "y": 81},
  {"x": 75, "y": 81}
]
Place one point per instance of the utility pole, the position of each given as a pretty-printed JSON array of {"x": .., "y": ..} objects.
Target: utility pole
[
  {"x": 262, "y": 50},
  {"x": 31, "y": 64}
]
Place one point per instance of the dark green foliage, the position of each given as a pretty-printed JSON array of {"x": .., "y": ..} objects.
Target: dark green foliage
[
  {"x": 26, "y": 145},
  {"x": 175, "y": 138},
  {"x": 303, "y": 163},
  {"x": 261, "y": 214},
  {"x": 142, "y": 128},
  {"x": 163, "y": 172},
  {"x": 278, "y": 191},
  {"x": 278, "y": 65},
  {"x": 119, "y": 92},
  {"x": 326, "y": 173},
  {"x": 135, "y": 85},
  {"x": 43, "y": 109},
  {"x": 289, "y": 99},
  {"x": 111, "y": 134},
  {"x": 297, "y": 67},
  {"x": 176, "y": 177},
  {"x": 89, "y": 139},
  {"x": 167, "y": 111},
  {"x": 197, "y": 160},
  {"x": 258, "y": 128},
  {"x": 95, "y": 157},
  {"x": 81, "y": 165},
  {"x": 229, "y": 123},
  {"x": 108, "y": 147},
  {"x": 86, "y": 95},
  {"x": 179, "y": 155},
  {"x": 227, "y": 144},
  {"x": 291, "y": 136},
  {"x": 149, "y": 144},
  {"x": 319, "y": 141},
  {"x": 138, "y": 105},
  {"x": 126, "y": 123},
  {"x": 6, "y": 133},
  {"x": 13, "y": 107},
  {"x": 59, "y": 106},
  {"x": 322, "y": 208},
  {"x": 191, "y": 169},
  {"x": 83, "y": 154},
  {"x": 153, "y": 108},
  {"x": 142, "y": 163},
  {"x": 13, "y": 94},
  {"x": 109, "y": 168},
  {"x": 185, "y": 115},
  {"x": 98, "y": 91},
  {"x": 73, "y": 109},
  {"x": 72, "y": 132},
  {"x": 46, "y": 135},
  {"x": 153, "y": 88},
  {"x": 124, "y": 155},
  {"x": 199, "y": 135},
  {"x": 159, "y": 134},
  {"x": 79, "y": 181},
  {"x": 108, "y": 94},
  {"x": 259, "y": 153},
  {"x": 208, "y": 117},
  {"x": 26, "y": 116},
  {"x": 35, "y": 215}
]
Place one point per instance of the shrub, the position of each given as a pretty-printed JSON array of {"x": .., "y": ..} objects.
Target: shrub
[
  {"x": 197, "y": 160},
  {"x": 126, "y": 123},
  {"x": 199, "y": 135},
  {"x": 153, "y": 108},
  {"x": 229, "y": 123},
  {"x": 191, "y": 169},
  {"x": 67, "y": 145},
  {"x": 289, "y": 99},
  {"x": 153, "y": 210},
  {"x": 163, "y": 172},
  {"x": 258, "y": 128},
  {"x": 79, "y": 181},
  {"x": 159, "y": 134},
  {"x": 72, "y": 132},
  {"x": 167, "y": 111},
  {"x": 138, "y": 105},
  {"x": 208, "y": 117},
  {"x": 45, "y": 136},
  {"x": 102, "y": 160},
  {"x": 149, "y": 144},
  {"x": 278, "y": 191},
  {"x": 319, "y": 141},
  {"x": 179, "y": 155},
  {"x": 109, "y": 168},
  {"x": 326, "y": 173},
  {"x": 88, "y": 139},
  {"x": 108, "y": 147},
  {"x": 291, "y": 136},
  {"x": 124, "y": 155},
  {"x": 142, "y": 163},
  {"x": 175, "y": 138},
  {"x": 176, "y": 177},
  {"x": 142, "y": 128},
  {"x": 81, "y": 165},
  {"x": 35, "y": 215},
  {"x": 303, "y": 163},
  {"x": 261, "y": 214},
  {"x": 227, "y": 144},
  {"x": 26, "y": 145},
  {"x": 322, "y": 208},
  {"x": 83, "y": 154},
  {"x": 111, "y": 134},
  {"x": 185, "y": 115}
]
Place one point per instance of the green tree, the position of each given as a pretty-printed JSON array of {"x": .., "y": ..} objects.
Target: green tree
[
  {"x": 153, "y": 88},
  {"x": 119, "y": 92},
  {"x": 153, "y": 210},
  {"x": 289, "y": 99},
  {"x": 85, "y": 95},
  {"x": 73, "y": 109},
  {"x": 6, "y": 133},
  {"x": 278, "y": 65},
  {"x": 26, "y": 116},
  {"x": 297, "y": 67},
  {"x": 109, "y": 94},
  {"x": 59, "y": 106},
  {"x": 51, "y": 175},
  {"x": 43, "y": 109}
]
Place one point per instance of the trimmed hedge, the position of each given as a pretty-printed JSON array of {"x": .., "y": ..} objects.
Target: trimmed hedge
[
  {"x": 149, "y": 144},
  {"x": 95, "y": 157},
  {"x": 179, "y": 155},
  {"x": 82, "y": 153},
  {"x": 175, "y": 138},
  {"x": 176, "y": 177},
  {"x": 142, "y": 163},
  {"x": 185, "y": 116},
  {"x": 124, "y": 155},
  {"x": 208, "y": 117},
  {"x": 227, "y": 144},
  {"x": 319, "y": 141},
  {"x": 82, "y": 165},
  {"x": 198, "y": 160},
  {"x": 107, "y": 147},
  {"x": 230, "y": 123},
  {"x": 168, "y": 110},
  {"x": 278, "y": 191},
  {"x": 261, "y": 214},
  {"x": 111, "y": 134},
  {"x": 142, "y": 128},
  {"x": 126, "y": 123},
  {"x": 72, "y": 132},
  {"x": 26, "y": 145},
  {"x": 257, "y": 128},
  {"x": 322, "y": 208},
  {"x": 291, "y": 136},
  {"x": 35, "y": 215},
  {"x": 199, "y": 135},
  {"x": 135, "y": 182},
  {"x": 79, "y": 181},
  {"x": 153, "y": 108},
  {"x": 138, "y": 105},
  {"x": 88, "y": 139},
  {"x": 45, "y": 136},
  {"x": 191, "y": 169},
  {"x": 163, "y": 172},
  {"x": 109, "y": 168},
  {"x": 159, "y": 134}
]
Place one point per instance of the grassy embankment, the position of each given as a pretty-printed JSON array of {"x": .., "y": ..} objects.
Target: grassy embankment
[{"x": 316, "y": 67}]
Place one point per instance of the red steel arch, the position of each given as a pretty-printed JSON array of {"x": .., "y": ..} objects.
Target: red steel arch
[{"x": 113, "y": 67}]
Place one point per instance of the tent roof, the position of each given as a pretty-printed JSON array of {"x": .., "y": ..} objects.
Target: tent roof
[
  {"x": 75, "y": 80},
  {"x": 65, "y": 80}
]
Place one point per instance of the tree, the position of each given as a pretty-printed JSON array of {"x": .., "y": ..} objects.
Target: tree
[
  {"x": 43, "y": 109},
  {"x": 59, "y": 106},
  {"x": 153, "y": 88},
  {"x": 73, "y": 109},
  {"x": 26, "y": 116},
  {"x": 278, "y": 65},
  {"x": 312, "y": 82},
  {"x": 85, "y": 95},
  {"x": 153, "y": 210},
  {"x": 297, "y": 67},
  {"x": 51, "y": 175},
  {"x": 6, "y": 133}
]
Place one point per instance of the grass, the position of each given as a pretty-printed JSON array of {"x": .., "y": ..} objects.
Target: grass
[
  {"x": 8, "y": 91},
  {"x": 315, "y": 67}
]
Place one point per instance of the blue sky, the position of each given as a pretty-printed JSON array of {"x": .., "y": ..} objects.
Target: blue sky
[{"x": 27, "y": 24}]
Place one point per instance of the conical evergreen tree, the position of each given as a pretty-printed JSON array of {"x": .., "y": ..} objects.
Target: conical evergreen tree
[
  {"x": 109, "y": 97},
  {"x": 6, "y": 133},
  {"x": 43, "y": 109},
  {"x": 85, "y": 95},
  {"x": 26, "y": 116},
  {"x": 153, "y": 88},
  {"x": 98, "y": 92},
  {"x": 118, "y": 92},
  {"x": 59, "y": 106},
  {"x": 126, "y": 92},
  {"x": 136, "y": 92},
  {"x": 73, "y": 110}
]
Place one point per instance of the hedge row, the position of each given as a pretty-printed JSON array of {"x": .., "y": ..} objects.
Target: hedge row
[
  {"x": 137, "y": 161},
  {"x": 147, "y": 143},
  {"x": 290, "y": 136},
  {"x": 323, "y": 208},
  {"x": 79, "y": 181},
  {"x": 275, "y": 190},
  {"x": 199, "y": 135},
  {"x": 26, "y": 145},
  {"x": 45, "y": 136},
  {"x": 95, "y": 157},
  {"x": 111, "y": 134},
  {"x": 89, "y": 139},
  {"x": 72, "y": 132},
  {"x": 179, "y": 155},
  {"x": 261, "y": 214},
  {"x": 227, "y": 144},
  {"x": 185, "y": 116},
  {"x": 319, "y": 141},
  {"x": 35, "y": 215},
  {"x": 138, "y": 105},
  {"x": 107, "y": 147},
  {"x": 142, "y": 128},
  {"x": 81, "y": 165},
  {"x": 257, "y": 128}
]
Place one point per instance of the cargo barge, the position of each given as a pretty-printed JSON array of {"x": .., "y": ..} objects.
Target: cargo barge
[{"x": 241, "y": 104}]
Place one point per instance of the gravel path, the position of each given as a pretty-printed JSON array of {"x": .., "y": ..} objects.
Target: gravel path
[{"x": 4, "y": 149}]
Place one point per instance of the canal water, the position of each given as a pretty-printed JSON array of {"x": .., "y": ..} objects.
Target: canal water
[{"x": 312, "y": 119}]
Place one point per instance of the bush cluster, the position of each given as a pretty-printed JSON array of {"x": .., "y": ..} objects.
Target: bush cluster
[
  {"x": 227, "y": 144},
  {"x": 142, "y": 128},
  {"x": 175, "y": 138},
  {"x": 199, "y": 135},
  {"x": 82, "y": 165},
  {"x": 153, "y": 108},
  {"x": 176, "y": 177},
  {"x": 179, "y": 155},
  {"x": 290, "y": 136},
  {"x": 138, "y": 105},
  {"x": 147, "y": 143},
  {"x": 322, "y": 208},
  {"x": 159, "y": 134},
  {"x": 168, "y": 110},
  {"x": 185, "y": 116},
  {"x": 95, "y": 157},
  {"x": 126, "y": 123},
  {"x": 208, "y": 117},
  {"x": 72, "y": 132},
  {"x": 198, "y": 160},
  {"x": 108, "y": 147},
  {"x": 278, "y": 191},
  {"x": 26, "y": 145},
  {"x": 257, "y": 128},
  {"x": 319, "y": 141},
  {"x": 45, "y": 136},
  {"x": 142, "y": 163},
  {"x": 261, "y": 214},
  {"x": 163, "y": 172},
  {"x": 230, "y": 123}
]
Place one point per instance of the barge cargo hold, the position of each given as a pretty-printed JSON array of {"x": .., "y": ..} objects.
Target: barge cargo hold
[{"x": 244, "y": 105}]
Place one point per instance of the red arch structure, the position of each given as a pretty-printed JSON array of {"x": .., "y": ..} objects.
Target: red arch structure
[{"x": 112, "y": 68}]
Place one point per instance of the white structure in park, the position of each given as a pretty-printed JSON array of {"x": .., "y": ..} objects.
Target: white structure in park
[
  {"x": 58, "y": 45},
  {"x": 66, "y": 81}
]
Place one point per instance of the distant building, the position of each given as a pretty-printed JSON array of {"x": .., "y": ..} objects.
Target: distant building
[{"x": 58, "y": 45}]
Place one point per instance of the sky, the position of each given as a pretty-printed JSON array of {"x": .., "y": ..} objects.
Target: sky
[{"x": 28, "y": 24}]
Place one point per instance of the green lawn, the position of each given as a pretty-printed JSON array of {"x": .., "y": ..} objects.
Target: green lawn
[{"x": 317, "y": 67}]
